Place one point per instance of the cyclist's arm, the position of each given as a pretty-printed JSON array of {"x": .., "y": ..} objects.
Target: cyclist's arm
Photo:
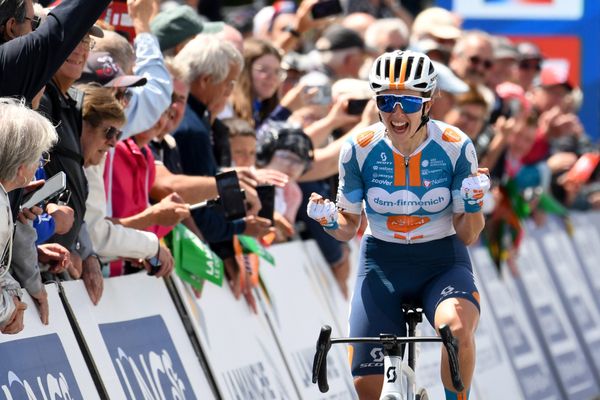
[
  {"x": 468, "y": 226},
  {"x": 347, "y": 226}
]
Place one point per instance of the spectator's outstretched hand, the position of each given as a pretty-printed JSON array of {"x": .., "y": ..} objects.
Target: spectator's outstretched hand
[
  {"x": 55, "y": 255},
  {"x": 339, "y": 114},
  {"x": 92, "y": 278},
  {"x": 63, "y": 216},
  {"x": 141, "y": 13},
  {"x": 170, "y": 211},
  {"x": 271, "y": 177},
  {"x": 257, "y": 226}
]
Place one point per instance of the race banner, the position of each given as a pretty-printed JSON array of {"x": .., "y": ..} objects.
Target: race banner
[
  {"x": 536, "y": 378},
  {"x": 44, "y": 361},
  {"x": 239, "y": 346},
  {"x": 520, "y": 9},
  {"x": 534, "y": 287},
  {"x": 297, "y": 314},
  {"x": 329, "y": 291},
  {"x": 576, "y": 295},
  {"x": 137, "y": 340},
  {"x": 586, "y": 239}
]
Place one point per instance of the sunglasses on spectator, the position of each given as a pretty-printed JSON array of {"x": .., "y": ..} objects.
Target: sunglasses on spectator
[
  {"x": 476, "y": 60},
  {"x": 530, "y": 64},
  {"x": 88, "y": 43},
  {"x": 35, "y": 22},
  {"x": 111, "y": 133},
  {"x": 44, "y": 159},
  {"x": 409, "y": 104},
  {"x": 124, "y": 95}
]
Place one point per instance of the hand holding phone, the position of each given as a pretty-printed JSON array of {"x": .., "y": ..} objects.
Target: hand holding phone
[{"x": 52, "y": 188}]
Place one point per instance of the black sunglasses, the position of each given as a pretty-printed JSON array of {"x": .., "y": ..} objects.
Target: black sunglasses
[
  {"x": 533, "y": 64},
  {"x": 111, "y": 133},
  {"x": 124, "y": 95},
  {"x": 35, "y": 22},
  {"x": 476, "y": 60}
]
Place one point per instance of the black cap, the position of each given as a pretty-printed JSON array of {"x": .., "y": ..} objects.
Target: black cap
[
  {"x": 337, "y": 37},
  {"x": 100, "y": 67}
]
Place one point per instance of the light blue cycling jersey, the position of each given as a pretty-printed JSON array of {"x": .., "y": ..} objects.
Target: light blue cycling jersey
[{"x": 407, "y": 198}]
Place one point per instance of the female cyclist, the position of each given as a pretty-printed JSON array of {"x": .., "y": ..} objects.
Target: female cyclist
[{"x": 419, "y": 182}]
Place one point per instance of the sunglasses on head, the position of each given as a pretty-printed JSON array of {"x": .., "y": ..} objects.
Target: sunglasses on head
[
  {"x": 476, "y": 60},
  {"x": 409, "y": 104},
  {"x": 111, "y": 133}
]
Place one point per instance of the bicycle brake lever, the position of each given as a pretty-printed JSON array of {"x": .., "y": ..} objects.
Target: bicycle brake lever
[
  {"x": 451, "y": 344},
  {"x": 319, "y": 372}
]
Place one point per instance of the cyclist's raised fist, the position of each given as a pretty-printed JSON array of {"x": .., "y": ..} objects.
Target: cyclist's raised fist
[{"x": 323, "y": 211}]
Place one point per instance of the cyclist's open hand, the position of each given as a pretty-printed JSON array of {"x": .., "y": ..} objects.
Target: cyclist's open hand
[{"x": 323, "y": 211}]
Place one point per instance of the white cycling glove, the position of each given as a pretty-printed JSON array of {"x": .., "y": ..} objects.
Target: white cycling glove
[
  {"x": 473, "y": 190},
  {"x": 325, "y": 213}
]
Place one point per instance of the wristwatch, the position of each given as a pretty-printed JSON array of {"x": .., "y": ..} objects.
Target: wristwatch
[{"x": 292, "y": 31}]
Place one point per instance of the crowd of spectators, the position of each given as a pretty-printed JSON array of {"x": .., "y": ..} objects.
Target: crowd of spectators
[{"x": 142, "y": 125}]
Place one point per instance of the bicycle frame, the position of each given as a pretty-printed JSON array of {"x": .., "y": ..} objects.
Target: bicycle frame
[{"x": 394, "y": 368}]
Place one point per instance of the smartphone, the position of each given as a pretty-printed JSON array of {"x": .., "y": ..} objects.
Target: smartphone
[
  {"x": 231, "y": 197},
  {"x": 266, "y": 194},
  {"x": 326, "y": 8},
  {"x": 50, "y": 189},
  {"x": 356, "y": 106}
]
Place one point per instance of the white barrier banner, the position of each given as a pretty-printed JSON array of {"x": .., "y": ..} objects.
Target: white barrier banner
[
  {"x": 536, "y": 288},
  {"x": 44, "y": 361},
  {"x": 297, "y": 315},
  {"x": 137, "y": 340},
  {"x": 329, "y": 291},
  {"x": 523, "y": 350},
  {"x": 495, "y": 378},
  {"x": 564, "y": 267},
  {"x": 587, "y": 242},
  {"x": 238, "y": 345}
]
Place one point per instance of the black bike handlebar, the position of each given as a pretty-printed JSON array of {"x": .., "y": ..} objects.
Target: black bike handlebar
[{"x": 319, "y": 372}]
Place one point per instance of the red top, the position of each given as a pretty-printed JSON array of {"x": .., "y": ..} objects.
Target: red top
[{"x": 133, "y": 174}]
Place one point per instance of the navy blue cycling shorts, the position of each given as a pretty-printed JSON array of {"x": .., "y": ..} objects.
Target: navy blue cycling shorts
[{"x": 393, "y": 274}]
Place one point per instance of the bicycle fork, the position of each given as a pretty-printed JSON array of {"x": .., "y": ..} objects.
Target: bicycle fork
[{"x": 398, "y": 378}]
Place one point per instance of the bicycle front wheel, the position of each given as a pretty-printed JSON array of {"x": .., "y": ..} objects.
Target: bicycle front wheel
[{"x": 422, "y": 395}]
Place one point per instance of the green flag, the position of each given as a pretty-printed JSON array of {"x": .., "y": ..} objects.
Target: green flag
[
  {"x": 194, "y": 260},
  {"x": 251, "y": 245}
]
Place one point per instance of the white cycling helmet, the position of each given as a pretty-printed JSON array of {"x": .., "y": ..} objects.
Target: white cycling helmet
[{"x": 403, "y": 70}]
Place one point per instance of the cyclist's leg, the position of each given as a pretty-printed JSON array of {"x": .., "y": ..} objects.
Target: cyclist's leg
[
  {"x": 452, "y": 298},
  {"x": 462, "y": 317},
  {"x": 375, "y": 309}
]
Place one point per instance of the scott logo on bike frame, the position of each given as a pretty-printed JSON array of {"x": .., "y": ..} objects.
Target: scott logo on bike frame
[{"x": 391, "y": 375}]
